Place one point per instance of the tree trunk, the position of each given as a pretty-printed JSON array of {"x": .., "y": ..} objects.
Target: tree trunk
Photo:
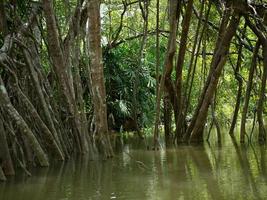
[
  {"x": 223, "y": 25},
  {"x": 219, "y": 59},
  {"x": 59, "y": 64},
  {"x": 193, "y": 62},
  {"x": 97, "y": 77},
  {"x": 22, "y": 125},
  {"x": 215, "y": 121},
  {"x": 262, "y": 130},
  {"x": 167, "y": 119},
  {"x": 156, "y": 131},
  {"x": 179, "y": 69},
  {"x": 5, "y": 158},
  {"x": 3, "y": 22},
  {"x": 175, "y": 9},
  {"x": 263, "y": 40},
  {"x": 50, "y": 140},
  {"x": 168, "y": 62},
  {"x": 80, "y": 101},
  {"x": 240, "y": 84},
  {"x": 38, "y": 88},
  {"x": 248, "y": 91}
]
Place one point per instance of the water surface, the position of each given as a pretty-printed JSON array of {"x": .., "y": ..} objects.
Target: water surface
[{"x": 185, "y": 172}]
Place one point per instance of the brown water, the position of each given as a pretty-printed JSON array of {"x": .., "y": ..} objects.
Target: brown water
[{"x": 208, "y": 172}]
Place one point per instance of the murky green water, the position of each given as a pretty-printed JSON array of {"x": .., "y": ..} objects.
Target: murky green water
[{"x": 208, "y": 172}]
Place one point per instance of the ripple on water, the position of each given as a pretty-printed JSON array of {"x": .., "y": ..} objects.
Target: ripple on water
[{"x": 185, "y": 172}]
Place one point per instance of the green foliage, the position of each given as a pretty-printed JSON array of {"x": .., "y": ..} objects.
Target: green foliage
[{"x": 121, "y": 66}]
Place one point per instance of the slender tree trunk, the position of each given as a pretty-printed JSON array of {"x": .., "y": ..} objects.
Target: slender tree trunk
[
  {"x": 33, "y": 62},
  {"x": 156, "y": 131},
  {"x": 203, "y": 72},
  {"x": 38, "y": 88},
  {"x": 79, "y": 95},
  {"x": 215, "y": 121},
  {"x": 237, "y": 104},
  {"x": 59, "y": 64},
  {"x": 6, "y": 162},
  {"x": 215, "y": 59},
  {"x": 97, "y": 77},
  {"x": 22, "y": 125},
  {"x": 217, "y": 64},
  {"x": 50, "y": 140},
  {"x": 171, "y": 50},
  {"x": 167, "y": 119},
  {"x": 3, "y": 22},
  {"x": 261, "y": 33},
  {"x": 248, "y": 91},
  {"x": 179, "y": 69},
  {"x": 193, "y": 60},
  {"x": 262, "y": 130},
  {"x": 168, "y": 62},
  {"x": 239, "y": 92}
]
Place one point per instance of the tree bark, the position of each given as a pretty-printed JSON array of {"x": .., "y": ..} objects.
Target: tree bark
[
  {"x": 59, "y": 64},
  {"x": 179, "y": 69},
  {"x": 5, "y": 159},
  {"x": 260, "y": 32},
  {"x": 50, "y": 140},
  {"x": 175, "y": 9},
  {"x": 3, "y": 22},
  {"x": 156, "y": 131},
  {"x": 248, "y": 91},
  {"x": 167, "y": 119},
  {"x": 193, "y": 61},
  {"x": 262, "y": 130},
  {"x": 219, "y": 59},
  {"x": 240, "y": 84},
  {"x": 22, "y": 125},
  {"x": 215, "y": 121},
  {"x": 97, "y": 77},
  {"x": 168, "y": 62},
  {"x": 38, "y": 88}
]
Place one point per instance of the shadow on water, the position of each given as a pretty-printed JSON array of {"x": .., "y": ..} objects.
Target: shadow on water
[{"x": 216, "y": 172}]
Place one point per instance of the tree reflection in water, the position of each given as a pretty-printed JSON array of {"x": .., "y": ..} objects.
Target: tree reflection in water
[{"x": 184, "y": 172}]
